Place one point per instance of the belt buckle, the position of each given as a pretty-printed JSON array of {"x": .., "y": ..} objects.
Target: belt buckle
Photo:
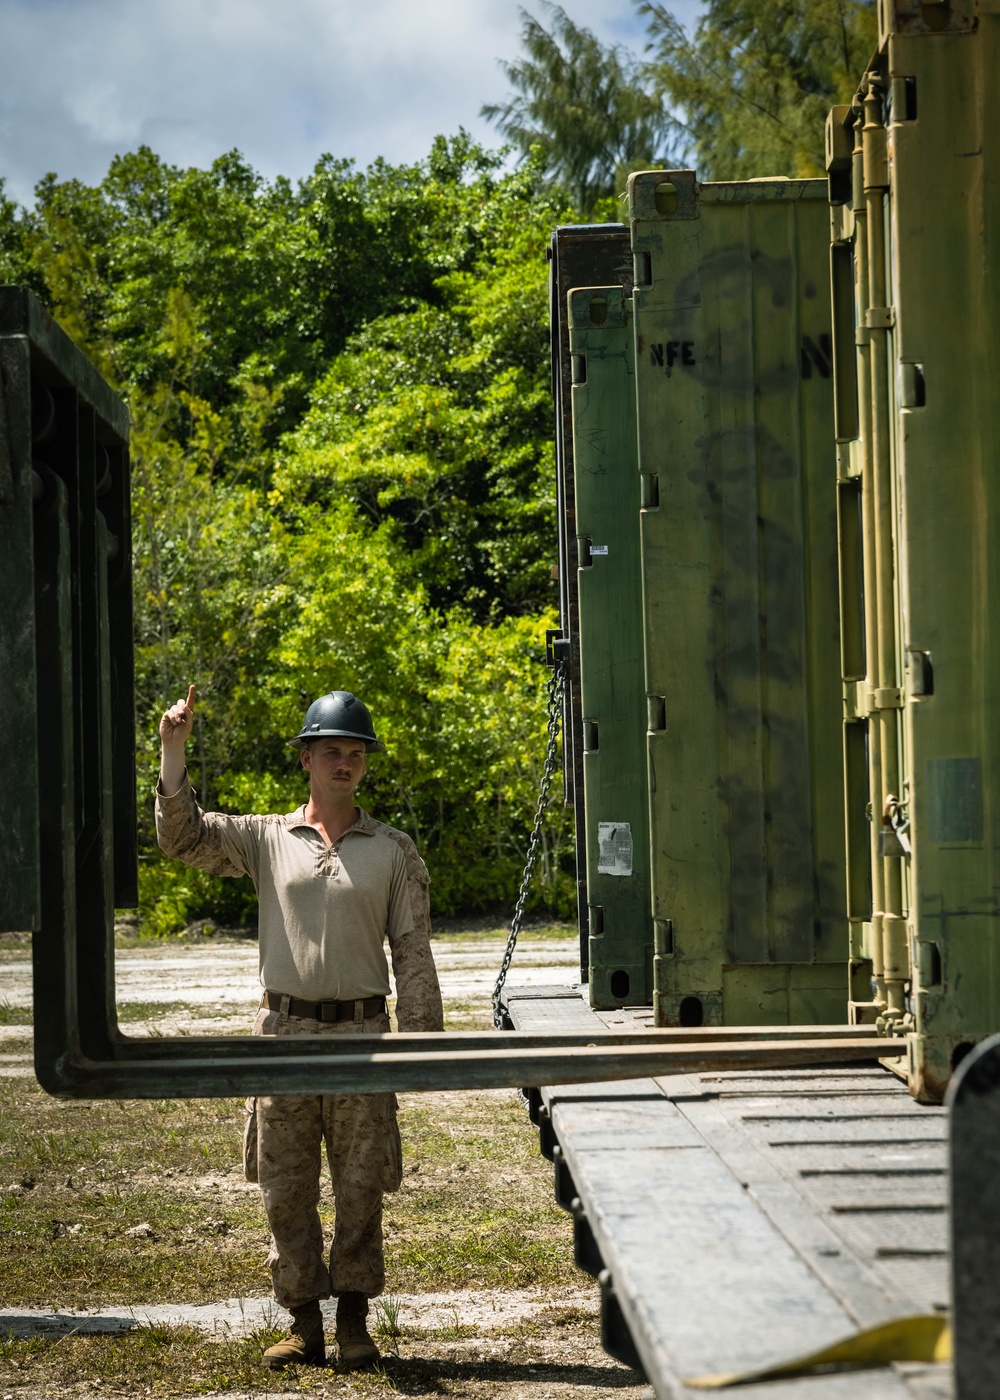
[{"x": 328, "y": 1011}]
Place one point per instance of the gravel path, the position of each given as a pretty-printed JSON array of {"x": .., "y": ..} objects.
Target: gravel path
[
  {"x": 224, "y": 975},
  {"x": 487, "y": 1309},
  {"x": 214, "y": 989}
]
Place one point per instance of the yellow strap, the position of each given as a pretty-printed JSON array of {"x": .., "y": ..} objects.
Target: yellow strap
[{"x": 920, "y": 1338}]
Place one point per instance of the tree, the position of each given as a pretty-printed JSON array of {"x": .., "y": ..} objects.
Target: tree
[
  {"x": 11, "y": 236},
  {"x": 461, "y": 706},
  {"x": 436, "y": 419},
  {"x": 756, "y": 81},
  {"x": 584, "y": 107}
]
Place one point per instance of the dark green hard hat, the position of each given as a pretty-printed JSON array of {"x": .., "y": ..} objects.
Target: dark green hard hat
[{"x": 339, "y": 715}]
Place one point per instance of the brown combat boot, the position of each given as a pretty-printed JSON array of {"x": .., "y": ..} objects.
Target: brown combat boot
[
  {"x": 355, "y": 1346},
  {"x": 303, "y": 1344}
]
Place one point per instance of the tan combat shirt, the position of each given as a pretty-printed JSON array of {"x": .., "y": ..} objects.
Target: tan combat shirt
[{"x": 325, "y": 911}]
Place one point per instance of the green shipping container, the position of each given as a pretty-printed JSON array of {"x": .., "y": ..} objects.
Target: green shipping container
[
  {"x": 580, "y": 255},
  {"x": 612, "y": 685},
  {"x": 915, "y": 187},
  {"x": 739, "y": 571}
]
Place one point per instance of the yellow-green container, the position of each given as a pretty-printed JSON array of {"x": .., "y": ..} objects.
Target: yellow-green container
[
  {"x": 915, "y": 184},
  {"x": 739, "y": 566}
]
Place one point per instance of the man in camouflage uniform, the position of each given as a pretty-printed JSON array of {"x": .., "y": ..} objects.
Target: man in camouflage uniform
[{"x": 333, "y": 884}]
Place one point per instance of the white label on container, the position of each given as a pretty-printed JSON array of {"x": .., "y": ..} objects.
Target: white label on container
[
  {"x": 615, "y": 842},
  {"x": 598, "y": 549}
]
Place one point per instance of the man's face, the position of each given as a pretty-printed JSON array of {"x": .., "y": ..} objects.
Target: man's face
[{"x": 335, "y": 766}]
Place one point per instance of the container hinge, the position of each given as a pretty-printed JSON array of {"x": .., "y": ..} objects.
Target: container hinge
[
  {"x": 888, "y": 697},
  {"x": 879, "y": 318},
  {"x": 855, "y": 700}
]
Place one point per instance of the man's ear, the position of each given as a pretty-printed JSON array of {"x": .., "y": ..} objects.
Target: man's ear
[{"x": 305, "y": 757}]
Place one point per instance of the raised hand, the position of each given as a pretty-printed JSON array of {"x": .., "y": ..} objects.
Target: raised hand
[{"x": 177, "y": 722}]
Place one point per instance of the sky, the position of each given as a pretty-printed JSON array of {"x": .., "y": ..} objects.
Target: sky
[{"x": 284, "y": 81}]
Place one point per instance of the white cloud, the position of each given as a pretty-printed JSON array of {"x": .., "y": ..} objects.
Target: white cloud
[{"x": 283, "y": 80}]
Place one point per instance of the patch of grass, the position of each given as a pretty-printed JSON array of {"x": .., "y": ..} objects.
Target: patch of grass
[
  {"x": 520, "y": 963},
  {"x": 74, "y": 1248},
  {"x": 485, "y": 930},
  {"x": 154, "y": 1359},
  {"x": 108, "y": 1167},
  {"x": 485, "y": 1126},
  {"x": 130, "y": 933},
  {"x": 385, "y": 1324},
  {"x": 475, "y": 1210},
  {"x": 567, "y": 1317},
  {"x": 129, "y": 1011},
  {"x": 115, "y": 1140},
  {"x": 552, "y": 932},
  {"x": 15, "y": 1015},
  {"x": 175, "y": 1361},
  {"x": 17, "y": 1045},
  {"x": 468, "y": 1016},
  {"x": 456, "y": 1330},
  {"x": 480, "y": 1248}
]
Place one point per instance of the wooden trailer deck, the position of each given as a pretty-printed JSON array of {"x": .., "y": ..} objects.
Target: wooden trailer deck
[{"x": 742, "y": 1219}]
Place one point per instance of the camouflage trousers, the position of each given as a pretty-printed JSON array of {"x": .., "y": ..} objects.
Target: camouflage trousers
[{"x": 282, "y": 1152}]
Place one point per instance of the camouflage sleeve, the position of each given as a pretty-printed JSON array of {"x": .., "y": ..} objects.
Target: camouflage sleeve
[
  {"x": 212, "y": 841},
  {"x": 418, "y": 993}
]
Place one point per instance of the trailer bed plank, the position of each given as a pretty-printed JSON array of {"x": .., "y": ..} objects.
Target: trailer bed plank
[{"x": 746, "y": 1218}]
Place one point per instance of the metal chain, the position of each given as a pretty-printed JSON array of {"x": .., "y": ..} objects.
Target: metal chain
[{"x": 556, "y": 687}]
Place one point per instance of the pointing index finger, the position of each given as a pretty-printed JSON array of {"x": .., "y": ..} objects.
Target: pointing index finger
[{"x": 191, "y": 697}]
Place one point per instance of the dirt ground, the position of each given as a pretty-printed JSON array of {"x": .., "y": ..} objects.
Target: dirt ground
[{"x": 519, "y": 1342}]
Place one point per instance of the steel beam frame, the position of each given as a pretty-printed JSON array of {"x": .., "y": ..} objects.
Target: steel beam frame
[{"x": 220, "y": 1067}]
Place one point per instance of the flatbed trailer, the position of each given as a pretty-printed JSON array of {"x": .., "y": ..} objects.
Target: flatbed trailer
[{"x": 737, "y": 1220}]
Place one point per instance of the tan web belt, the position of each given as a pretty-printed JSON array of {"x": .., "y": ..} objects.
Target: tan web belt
[{"x": 358, "y": 1010}]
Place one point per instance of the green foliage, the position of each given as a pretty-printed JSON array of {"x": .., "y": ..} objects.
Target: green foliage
[
  {"x": 438, "y": 419},
  {"x": 342, "y": 477},
  {"x": 172, "y": 895},
  {"x": 582, "y": 106},
  {"x": 10, "y": 237},
  {"x": 459, "y": 704},
  {"x": 757, "y": 81}
]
